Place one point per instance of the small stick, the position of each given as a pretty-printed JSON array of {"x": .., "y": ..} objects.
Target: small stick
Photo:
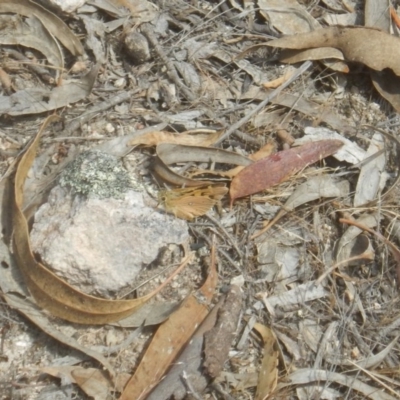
[
  {"x": 103, "y": 106},
  {"x": 271, "y": 96},
  {"x": 148, "y": 32}
]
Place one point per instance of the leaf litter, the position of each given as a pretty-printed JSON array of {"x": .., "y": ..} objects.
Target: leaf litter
[{"x": 189, "y": 113}]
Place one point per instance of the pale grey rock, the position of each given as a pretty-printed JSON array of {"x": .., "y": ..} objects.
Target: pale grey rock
[{"x": 99, "y": 245}]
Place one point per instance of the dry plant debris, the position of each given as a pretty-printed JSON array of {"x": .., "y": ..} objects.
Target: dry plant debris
[{"x": 288, "y": 174}]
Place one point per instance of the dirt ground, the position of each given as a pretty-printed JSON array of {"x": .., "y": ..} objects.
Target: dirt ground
[{"x": 316, "y": 298}]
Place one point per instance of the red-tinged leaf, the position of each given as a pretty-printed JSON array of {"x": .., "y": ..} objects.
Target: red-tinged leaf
[{"x": 280, "y": 166}]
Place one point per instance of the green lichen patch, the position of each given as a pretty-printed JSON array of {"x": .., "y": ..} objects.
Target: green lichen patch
[{"x": 94, "y": 173}]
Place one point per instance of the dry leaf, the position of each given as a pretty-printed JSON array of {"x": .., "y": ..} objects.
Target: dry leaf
[
  {"x": 373, "y": 177},
  {"x": 376, "y": 49},
  {"x": 306, "y": 376},
  {"x": 317, "y": 187},
  {"x": 377, "y": 14},
  {"x": 265, "y": 151},
  {"x": 268, "y": 377},
  {"x": 188, "y": 367},
  {"x": 49, "y": 291},
  {"x": 53, "y": 24},
  {"x": 199, "y": 137},
  {"x": 287, "y": 16},
  {"x": 280, "y": 166},
  {"x": 279, "y": 81},
  {"x": 168, "y": 154},
  {"x": 193, "y": 202},
  {"x": 329, "y": 55},
  {"x": 170, "y": 338},
  {"x": 90, "y": 380}
]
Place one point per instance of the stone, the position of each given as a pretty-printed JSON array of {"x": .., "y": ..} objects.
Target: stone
[{"x": 100, "y": 244}]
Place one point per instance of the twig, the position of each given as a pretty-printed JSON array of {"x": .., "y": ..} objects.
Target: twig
[
  {"x": 220, "y": 251},
  {"x": 42, "y": 72},
  {"x": 228, "y": 236},
  {"x": 271, "y": 96},
  {"x": 148, "y": 32},
  {"x": 103, "y": 106},
  {"x": 189, "y": 388},
  {"x": 374, "y": 378},
  {"x": 386, "y": 330}
]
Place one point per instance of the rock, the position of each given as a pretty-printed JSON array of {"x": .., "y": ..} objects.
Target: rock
[
  {"x": 99, "y": 245},
  {"x": 137, "y": 47}
]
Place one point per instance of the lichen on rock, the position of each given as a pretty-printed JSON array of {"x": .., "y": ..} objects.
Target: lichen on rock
[{"x": 96, "y": 174}]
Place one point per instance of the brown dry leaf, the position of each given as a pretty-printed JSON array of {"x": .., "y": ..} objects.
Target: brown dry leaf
[
  {"x": 377, "y": 15},
  {"x": 321, "y": 53},
  {"x": 268, "y": 377},
  {"x": 376, "y": 49},
  {"x": 280, "y": 166},
  {"x": 189, "y": 364},
  {"x": 194, "y": 202},
  {"x": 14, "y": 290},
  {"x": 198, "y": 137},
  {"x": 168, "y": 154},
  {"x": 91, "y": 380},
  {"x": 52, "y": 23},
  {"x": 170, "y": 338},
  {"x": 265, "y": 151},
  {"x": 49, "y": 291}
]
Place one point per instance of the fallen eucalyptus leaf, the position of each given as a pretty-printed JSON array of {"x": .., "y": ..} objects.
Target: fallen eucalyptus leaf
[
  {"x": 350, "y": 152},
  {"x": 373, "y": 177},
  {"x": 189, "y": 364},
  {"x": 287, "y": 16},
  {"x": 53, "y": 24},
  {"x": 198, "y": 137},
  {"x": 372, "y": 47},
  {"x": 317, "y": 187},
  {"x": 168, "y": 154},
  {"x": 49, "y": 291},
  {"x": 91, "y": 380},
  {"x": 170, "y": 338},
  {"x": 306, "y": 376},
  {"x": 280, "y": 166},
  {"x": 268, "y": 376}
]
